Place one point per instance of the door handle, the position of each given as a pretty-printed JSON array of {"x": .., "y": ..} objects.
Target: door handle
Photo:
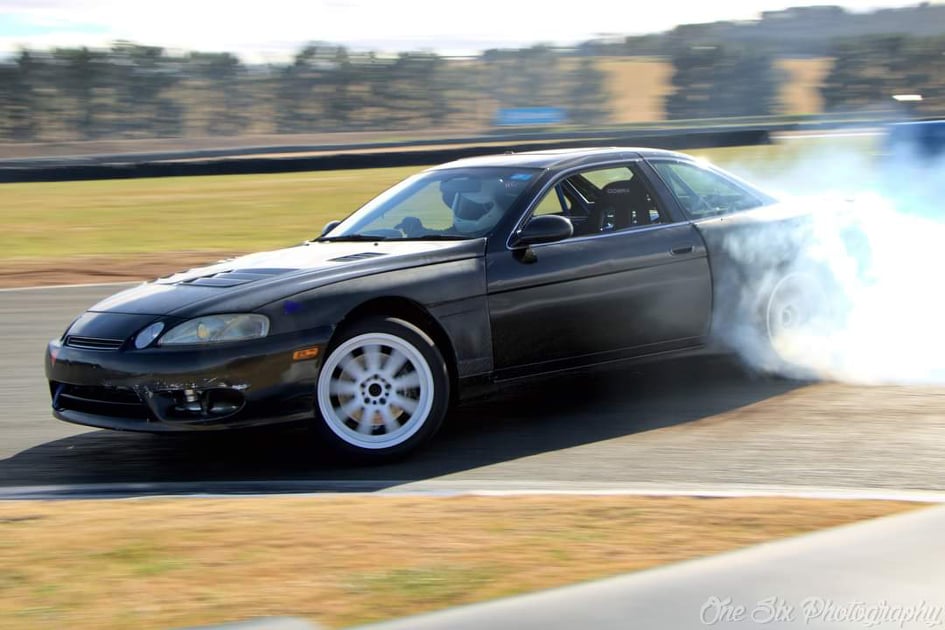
[{"x": 681, "y": 249}]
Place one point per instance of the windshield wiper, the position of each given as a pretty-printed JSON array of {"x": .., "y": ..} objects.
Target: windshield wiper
[
  {"x": 434, "y": 237},
  {"x": 351, "y": 237}
]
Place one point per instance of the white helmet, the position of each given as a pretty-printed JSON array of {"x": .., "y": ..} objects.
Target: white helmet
[{"x": 476, "y": 212}]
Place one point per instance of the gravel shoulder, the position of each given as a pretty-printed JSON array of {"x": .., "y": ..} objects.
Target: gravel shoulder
[{"x": 19, "y": 273}]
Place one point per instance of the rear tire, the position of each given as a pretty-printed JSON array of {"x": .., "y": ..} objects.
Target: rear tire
[
  {"x": 382, "y": 391},
  {"x": 797, "y": 307}
]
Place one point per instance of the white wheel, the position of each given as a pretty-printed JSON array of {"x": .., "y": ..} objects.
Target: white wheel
[
  {"x": 382, "y": 389},
  {"x": 794, "y": 314}
]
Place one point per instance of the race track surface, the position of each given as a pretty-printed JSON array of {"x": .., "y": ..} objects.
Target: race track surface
[{"x": 703, "y": 422}]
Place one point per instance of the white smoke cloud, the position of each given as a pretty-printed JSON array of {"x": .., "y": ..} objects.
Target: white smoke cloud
[{"x": 865, "y": 271}]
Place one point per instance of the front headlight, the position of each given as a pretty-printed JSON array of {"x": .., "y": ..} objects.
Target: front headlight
[
  {"x": 146, "y": 336},
  {"x": 215, "y": 328}
]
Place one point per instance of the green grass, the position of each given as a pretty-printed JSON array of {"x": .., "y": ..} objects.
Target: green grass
[
  {"x": 220, "y": 213},
  {"x": 242, "y": 213}
]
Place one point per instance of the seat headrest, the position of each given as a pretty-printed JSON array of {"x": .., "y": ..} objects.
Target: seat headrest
[
  {"x": 629, "y": 188},
  {"x": 630, "y": 202}
]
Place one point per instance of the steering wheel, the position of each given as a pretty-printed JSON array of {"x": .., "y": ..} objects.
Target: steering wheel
[{"x": 412, "y": 227}]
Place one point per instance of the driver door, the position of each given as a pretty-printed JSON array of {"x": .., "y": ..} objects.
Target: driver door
[{"x": 607, "y": 293}]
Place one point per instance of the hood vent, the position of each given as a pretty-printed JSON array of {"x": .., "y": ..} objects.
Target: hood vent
[
  {"x": 353, "y": 257},
  {"x": 235, "y": 277}
]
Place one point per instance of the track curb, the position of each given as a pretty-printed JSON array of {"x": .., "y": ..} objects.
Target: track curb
[{"x": 382, "y": 488}]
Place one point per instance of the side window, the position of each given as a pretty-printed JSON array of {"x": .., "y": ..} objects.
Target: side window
[
  {"x": 702, "y": 192},
  {"x": 622, "y": 200},
  {"x": 603, "y": 176},
  {"x": 554, "y": 202},
  {"x": 603, "y": 200}
]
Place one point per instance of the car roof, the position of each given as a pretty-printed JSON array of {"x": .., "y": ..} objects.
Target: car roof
[{"x": 560, "y": 158}]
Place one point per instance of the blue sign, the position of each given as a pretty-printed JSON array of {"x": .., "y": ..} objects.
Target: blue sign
[
  {"x": 921, "y": 138},
  {"x": 516, "y": 116}
]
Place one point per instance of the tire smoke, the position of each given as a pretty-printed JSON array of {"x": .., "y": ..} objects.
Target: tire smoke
[{"x": 847, "y": 283}]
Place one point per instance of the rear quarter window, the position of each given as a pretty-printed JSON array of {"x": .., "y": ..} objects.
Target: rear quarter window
[{"x": 703, "y": 192}]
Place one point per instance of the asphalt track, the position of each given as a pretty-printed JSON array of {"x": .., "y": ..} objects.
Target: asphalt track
[{"x": 690, "y": 424}]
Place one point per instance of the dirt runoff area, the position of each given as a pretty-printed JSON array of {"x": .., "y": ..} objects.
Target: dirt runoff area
[
  {"x": 344, "y": 560},
  {"x": 17, "y": 273}
]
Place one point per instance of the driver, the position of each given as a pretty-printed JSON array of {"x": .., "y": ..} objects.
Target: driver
[{"x": 473, "y": 212}]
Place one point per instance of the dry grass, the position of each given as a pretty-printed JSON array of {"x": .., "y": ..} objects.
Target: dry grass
[
  {"x": 638, "y": 86},
  {"x": 800, "y": 94},
  {"x": 162, "y": 563}
]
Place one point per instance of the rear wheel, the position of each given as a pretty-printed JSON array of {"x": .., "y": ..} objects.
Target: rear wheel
[
  {"x": 383, "y": 390},
  {"x": 795, "y": 313}
]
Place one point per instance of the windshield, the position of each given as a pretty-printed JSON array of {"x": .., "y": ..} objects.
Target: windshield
[{"x": 455, "y": 203}]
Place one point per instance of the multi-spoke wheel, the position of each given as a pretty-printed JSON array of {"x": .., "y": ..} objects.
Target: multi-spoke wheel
[
  {"x": 382, "y": 390},
  {"x": 796, "y": 312}
]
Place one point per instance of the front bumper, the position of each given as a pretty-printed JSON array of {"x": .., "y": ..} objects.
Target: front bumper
[{"x": 154, "y": 390}]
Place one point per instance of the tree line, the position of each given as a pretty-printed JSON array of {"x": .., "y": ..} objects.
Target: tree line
[
  {"x": 136, "y": 91},
  {"x": 730, "y": 79}
]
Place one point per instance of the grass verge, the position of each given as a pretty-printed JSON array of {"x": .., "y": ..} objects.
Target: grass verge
[
  {"x": 223, "y": 213},
  {"x": 93, "y": 231},
  {"x": 161, "y": 563}
]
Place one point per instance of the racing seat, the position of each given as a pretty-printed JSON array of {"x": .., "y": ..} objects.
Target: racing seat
[{"x": 625, "y": 204}]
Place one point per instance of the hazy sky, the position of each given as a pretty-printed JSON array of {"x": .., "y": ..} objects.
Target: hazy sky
[{"x": 271, "y": 30}]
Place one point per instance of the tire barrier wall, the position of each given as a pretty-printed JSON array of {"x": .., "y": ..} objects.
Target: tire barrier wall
[{"x": 118, "y": 167}]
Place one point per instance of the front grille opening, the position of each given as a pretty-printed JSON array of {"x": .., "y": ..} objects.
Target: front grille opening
[
  {"x": 93, "y": 343},
  {"x": 114, "y": 402}
]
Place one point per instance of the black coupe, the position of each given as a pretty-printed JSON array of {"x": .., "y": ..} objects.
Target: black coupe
[{"x": 461, "y": 277}]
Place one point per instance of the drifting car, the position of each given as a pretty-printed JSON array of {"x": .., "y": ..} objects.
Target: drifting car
[{"x": 462, "y": 277}]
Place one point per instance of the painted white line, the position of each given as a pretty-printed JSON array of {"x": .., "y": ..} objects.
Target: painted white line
[
  {"x": 390, "y": 488},
  {"x": 73, "y": 286},
  {"x": 837, "y": 495},
  {"x": 504, "y": 488}
]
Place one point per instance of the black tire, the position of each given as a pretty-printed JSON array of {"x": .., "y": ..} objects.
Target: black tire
[{"x": 383, "y": 390}]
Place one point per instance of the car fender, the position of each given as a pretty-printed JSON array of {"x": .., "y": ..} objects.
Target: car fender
[{"x": 452, "y": 293}]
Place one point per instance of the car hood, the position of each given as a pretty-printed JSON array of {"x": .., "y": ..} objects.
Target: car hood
[{"x": 248, "y": 282}]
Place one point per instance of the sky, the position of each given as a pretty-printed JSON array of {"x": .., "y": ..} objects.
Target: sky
[{"x": 272, "y": 30}]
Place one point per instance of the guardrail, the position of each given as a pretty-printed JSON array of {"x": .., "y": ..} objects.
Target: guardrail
[
  {"x": 627, "y": 130},
  {"x": 340, "y": 157}
]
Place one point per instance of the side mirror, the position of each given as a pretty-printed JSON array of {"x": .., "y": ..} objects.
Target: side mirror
[
  {"x": 546, "y": 228},
  {"x": 331, "y": 225}
]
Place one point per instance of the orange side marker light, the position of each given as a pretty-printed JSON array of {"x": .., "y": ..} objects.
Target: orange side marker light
[{"x": 305, "y": 353}]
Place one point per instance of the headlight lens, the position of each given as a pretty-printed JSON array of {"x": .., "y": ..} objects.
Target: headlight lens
[
  {"x": 147, "y": 335},
  {"x": 215, "y": 328}
]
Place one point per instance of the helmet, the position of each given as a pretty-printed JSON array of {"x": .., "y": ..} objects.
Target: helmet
[
  {"x": 474, "y": 212},
  {"x": 478, "y": 210}
]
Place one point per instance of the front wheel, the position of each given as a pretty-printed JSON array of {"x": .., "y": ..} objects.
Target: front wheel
[{"x": 382, "y": 391}]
